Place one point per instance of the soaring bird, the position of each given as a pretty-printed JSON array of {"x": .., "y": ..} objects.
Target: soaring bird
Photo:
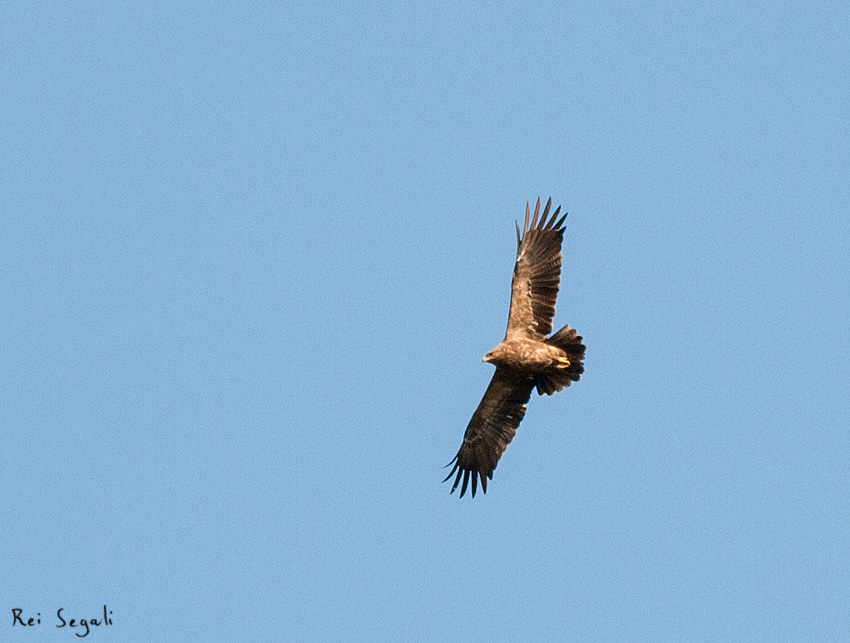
[{"x": 526, "y": 358}]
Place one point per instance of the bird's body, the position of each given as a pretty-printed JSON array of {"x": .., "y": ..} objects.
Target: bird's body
[
  {"x": 527, "y": 355},
  {"x": 526, "y": 358}
]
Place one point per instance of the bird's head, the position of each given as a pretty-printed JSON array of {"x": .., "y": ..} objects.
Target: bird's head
[{"x": 492, "y": 356}]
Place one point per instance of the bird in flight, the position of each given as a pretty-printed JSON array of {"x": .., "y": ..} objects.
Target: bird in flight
[{"x": 526, "y": 358}]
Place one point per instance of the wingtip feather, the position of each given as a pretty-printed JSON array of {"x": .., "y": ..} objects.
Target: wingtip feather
[
  {"x": 536, "y": 212},
  {"x": 454, "y": 486},
  {"x": 553, "y": 222},
  {"x": 525, "y": 225},
  {"x": 560, "y": 223},
  {"x": 465, "y": 481},
  {"x": 467, "y": 475},
  {"x": 543, "y": 225}
]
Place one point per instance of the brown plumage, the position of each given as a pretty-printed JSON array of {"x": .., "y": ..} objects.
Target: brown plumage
[{"x": 526, "y": 358}]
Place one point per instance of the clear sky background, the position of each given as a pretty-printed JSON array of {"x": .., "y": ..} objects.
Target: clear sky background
[{"x": 251, "y": 257}]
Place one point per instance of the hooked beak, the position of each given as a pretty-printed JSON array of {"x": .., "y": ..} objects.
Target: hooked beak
[{"x": 487, "y": 358}]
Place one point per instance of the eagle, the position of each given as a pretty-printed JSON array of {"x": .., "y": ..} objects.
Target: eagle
[{"x": 526, "y": 359}]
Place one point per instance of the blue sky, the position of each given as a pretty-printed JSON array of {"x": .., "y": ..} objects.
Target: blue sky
[{"x": 252, "y": 257}]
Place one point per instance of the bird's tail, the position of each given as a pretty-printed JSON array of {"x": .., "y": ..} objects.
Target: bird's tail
[{"x": 554, "y": 379}]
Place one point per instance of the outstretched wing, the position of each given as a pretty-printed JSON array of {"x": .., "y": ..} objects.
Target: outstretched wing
[
  {"x": 537, "y": 274},
  {"x": 492, "y": 427}
]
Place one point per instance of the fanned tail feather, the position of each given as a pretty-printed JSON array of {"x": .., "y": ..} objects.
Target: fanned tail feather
[{"x": 554, "y": 379}]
